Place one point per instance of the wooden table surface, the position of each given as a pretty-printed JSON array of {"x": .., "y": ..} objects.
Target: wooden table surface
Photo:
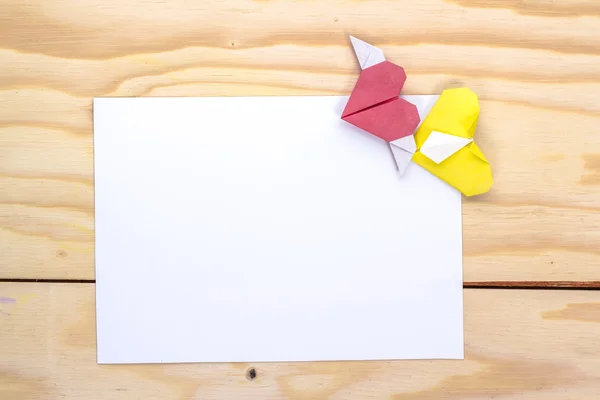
[{"x": 531, "y": 245}]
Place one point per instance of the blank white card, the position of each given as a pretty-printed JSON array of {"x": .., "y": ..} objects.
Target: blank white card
[{"x": 267, "y": 229}]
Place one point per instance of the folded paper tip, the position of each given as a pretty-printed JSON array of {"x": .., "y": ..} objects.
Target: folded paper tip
[
  {"x": 355, "y": 41},
  {"x": 367, "y": 54},
  {"x": 439, "y": 146},
  {"x": 401, "y": 157},
  {"x": 402, "y": 171}
]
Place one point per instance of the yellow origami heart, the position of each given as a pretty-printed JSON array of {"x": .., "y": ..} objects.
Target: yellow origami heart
[{"x": 455, "y": 113}]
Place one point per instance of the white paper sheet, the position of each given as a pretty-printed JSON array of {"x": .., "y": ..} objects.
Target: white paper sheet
[{"x": 267, "y": 229}]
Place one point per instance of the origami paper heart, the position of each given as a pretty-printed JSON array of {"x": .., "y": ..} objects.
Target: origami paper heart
[
  {"x": 376, "y": 84},
  {"x": 455, "y": 113},
  {"x": 374, "y": 104}
]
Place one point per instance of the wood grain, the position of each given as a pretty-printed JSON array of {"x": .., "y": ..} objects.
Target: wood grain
[
  {"x": 520, "y": 344},
  {"x": 535, "y": 65}
]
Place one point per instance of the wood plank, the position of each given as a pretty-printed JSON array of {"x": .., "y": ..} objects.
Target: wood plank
[
  {"x": 520, "y": 344},
  {"x": 535, "y": 65}
]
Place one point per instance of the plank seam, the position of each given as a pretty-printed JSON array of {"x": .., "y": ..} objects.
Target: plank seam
[
  {"x": 27, "y": 280},
  {"x": 530, "y": 285},
  {"x": 533, "y": 285}
]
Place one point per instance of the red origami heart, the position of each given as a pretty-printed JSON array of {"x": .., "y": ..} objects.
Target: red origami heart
[{"x": 374, "y": 104}]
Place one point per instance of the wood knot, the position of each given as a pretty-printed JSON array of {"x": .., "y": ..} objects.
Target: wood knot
[{"x": 251, "y": 374}]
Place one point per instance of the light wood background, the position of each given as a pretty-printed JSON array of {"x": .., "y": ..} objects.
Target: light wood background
[
  {"x": 520, "y": 344},
  {"x": 536, "y": 67}
]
